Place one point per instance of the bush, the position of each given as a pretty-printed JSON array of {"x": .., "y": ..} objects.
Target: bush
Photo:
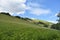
[
  {"x": 18, "y": 17},
  {"x": 56, "y": 26},
  {"x": 5, "y": 13},
  {"x": 27, "y": 19},
  {"x": 45, "y": 25}
]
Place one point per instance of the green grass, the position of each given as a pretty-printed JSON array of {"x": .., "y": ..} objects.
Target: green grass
[
  {"x": 12, "y": 28},
  {"x": 45, "y": 22}
]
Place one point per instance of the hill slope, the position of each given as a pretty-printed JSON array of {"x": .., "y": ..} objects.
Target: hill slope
[{"x": 12, "y": 28}]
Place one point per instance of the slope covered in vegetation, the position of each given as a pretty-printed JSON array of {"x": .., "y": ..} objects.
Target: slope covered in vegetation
[{"x": 12, "y": 28}]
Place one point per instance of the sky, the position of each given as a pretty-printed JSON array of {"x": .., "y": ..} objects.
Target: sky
[{"x": 34, "y": 9}]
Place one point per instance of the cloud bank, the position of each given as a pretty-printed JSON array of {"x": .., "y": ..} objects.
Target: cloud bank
[
  {"x": 19, "y": 7},
  {"x": 13, "y": 6}
]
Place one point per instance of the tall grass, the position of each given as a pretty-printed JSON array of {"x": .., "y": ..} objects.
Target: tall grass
[{"x": 16, "y": 29}]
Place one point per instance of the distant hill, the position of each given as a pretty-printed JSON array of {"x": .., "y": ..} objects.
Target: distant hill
[
  {"x": 36, "y": 22},
  {"x": 19, "y": 28}
]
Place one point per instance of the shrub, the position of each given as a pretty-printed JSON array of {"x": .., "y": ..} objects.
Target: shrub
[
  {"x": 45, "y": 25},
  {"x": 18, "y": 17},
  {"x": 56, "y": 26},
  {"x": 5, "y": 13}
]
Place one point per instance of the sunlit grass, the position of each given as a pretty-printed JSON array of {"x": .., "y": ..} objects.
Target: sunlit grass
[{"x": 12, "y": 28}]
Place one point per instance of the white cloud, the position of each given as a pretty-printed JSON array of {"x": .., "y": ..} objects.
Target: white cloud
[
  {"x": 37, "y": 9},
  {"x": 56, "y": 14},
  {"x": 13, "y": 6},
  {"x": 19, "y": 7},
  {"x": 52, "y": 21},
  {"x": 34, "y": 5},
  {"x": 33, "y": 18}
]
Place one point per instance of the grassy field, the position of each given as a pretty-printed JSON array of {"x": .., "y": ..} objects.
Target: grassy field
[{"x": 12, "y": 28}]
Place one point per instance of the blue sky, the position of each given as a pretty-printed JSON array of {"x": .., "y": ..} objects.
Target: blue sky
[
  {"x": 51, "y": 5},
  {"x": 35, "y": 9}
]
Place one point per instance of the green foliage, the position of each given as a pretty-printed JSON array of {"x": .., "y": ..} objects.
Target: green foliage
[
  {"x": 45, "y": 25},
  {"x": 56, "y": 26},
  {"x": 26, "y": 19},
  {"x": 12, "y": 28},
  {"x": 18, "y": 17},
  {"x": 5, "y": 13}
]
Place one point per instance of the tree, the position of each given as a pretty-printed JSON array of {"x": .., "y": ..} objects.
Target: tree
[
  {"x": 57, "y": 26},
  {"x": 58, "y": 17},
  {"x": 5, "y": 13}
]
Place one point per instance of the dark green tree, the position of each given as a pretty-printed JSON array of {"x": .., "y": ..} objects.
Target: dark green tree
[
  {"x": 57, "y": 26},
  {"x": 5, "y": 13}
]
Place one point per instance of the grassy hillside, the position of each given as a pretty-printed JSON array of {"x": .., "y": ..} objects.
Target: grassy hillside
[
  {"x": 43, "y": 23},
  {"x": 12, "y": 28}
]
